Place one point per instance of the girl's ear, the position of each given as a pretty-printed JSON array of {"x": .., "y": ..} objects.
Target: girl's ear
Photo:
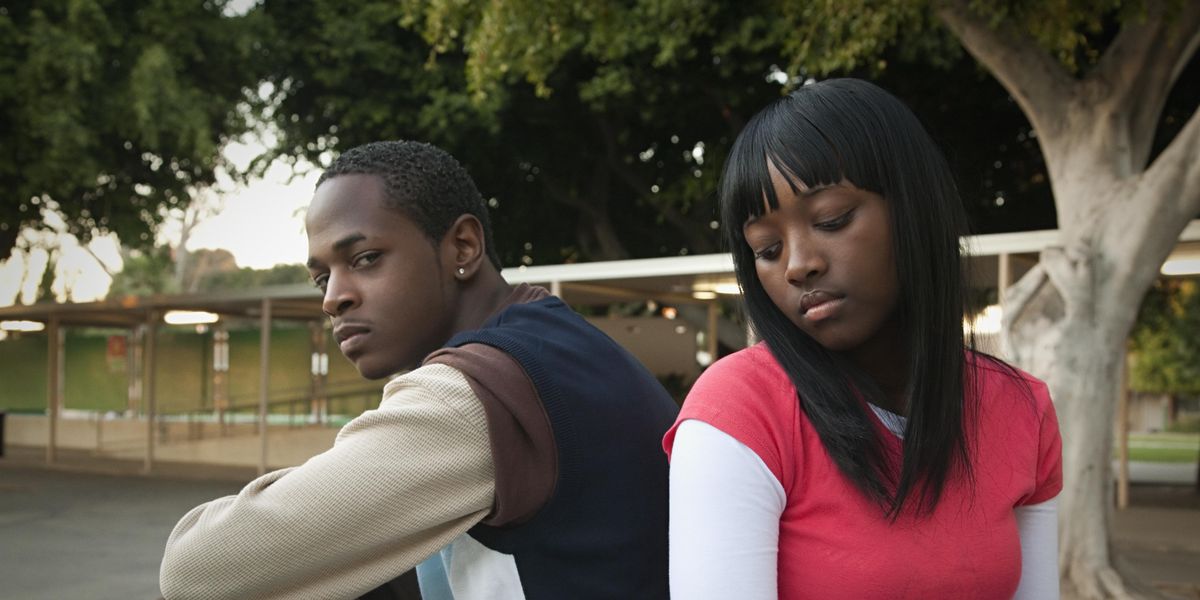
[{"x": 463, "y": 247}]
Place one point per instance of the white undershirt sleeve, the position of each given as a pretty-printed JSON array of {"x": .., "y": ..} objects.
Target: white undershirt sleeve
[
  {"x": 1037, "y": 525},
  {"x": 724, "y": 518}
]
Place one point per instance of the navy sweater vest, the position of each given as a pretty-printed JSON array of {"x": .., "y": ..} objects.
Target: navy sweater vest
[{"x": 603, "y": 533}]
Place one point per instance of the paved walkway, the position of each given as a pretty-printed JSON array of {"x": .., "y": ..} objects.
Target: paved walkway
[
  {"x": 78, "y": 535},
  {"x": 71, "y": 534},
  {"x": 1159, "y": 537},
  {"x": 1169, "y": 473}
]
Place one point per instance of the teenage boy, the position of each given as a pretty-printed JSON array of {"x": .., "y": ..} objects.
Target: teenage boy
[{"x": 523, "y": 443}]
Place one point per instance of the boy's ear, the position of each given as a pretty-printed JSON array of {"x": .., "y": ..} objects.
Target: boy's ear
[{"x": 463, "y": 247}]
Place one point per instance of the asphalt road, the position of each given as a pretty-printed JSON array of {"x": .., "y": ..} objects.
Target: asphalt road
[
  {"x": 75, "y": 535},
  {"x": 82, "y": 535}
]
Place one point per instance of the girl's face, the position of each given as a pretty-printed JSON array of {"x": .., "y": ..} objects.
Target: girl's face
[{"x": 825, "y": 259}]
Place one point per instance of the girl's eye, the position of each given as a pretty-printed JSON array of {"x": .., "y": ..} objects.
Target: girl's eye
[
  {"x": 768, "y": 253},
  {"x": 320, "y": 281},
  {"x": 364, "y": 260},
  {"x": 837, "y": 222}
]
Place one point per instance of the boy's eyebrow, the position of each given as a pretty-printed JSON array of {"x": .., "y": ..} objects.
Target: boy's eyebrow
[{"x": 338, "y": 246}]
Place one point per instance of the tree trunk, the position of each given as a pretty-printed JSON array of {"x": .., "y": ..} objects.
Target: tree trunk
[
  {"x": 1066, "y": 321},
  {"x": 1071, "y": 349}
]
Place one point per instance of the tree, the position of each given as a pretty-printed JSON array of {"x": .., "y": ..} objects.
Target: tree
[
  {"x": 1164, "y": 344},
  {"x": 246, "y": 278},
  {"x": 618, "y": 165},
  {"x": 1092, "y": 78},
  {"x": 621, "y": 159},
  {"x": 111, "y": 110},
  {"x": 144, "y": 273}
]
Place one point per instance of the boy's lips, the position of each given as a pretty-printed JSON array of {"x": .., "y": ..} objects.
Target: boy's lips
[{"x": 349, "y": 336}]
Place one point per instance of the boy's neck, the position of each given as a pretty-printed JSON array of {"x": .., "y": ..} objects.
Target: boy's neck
[{"x": 482, "y": 297}]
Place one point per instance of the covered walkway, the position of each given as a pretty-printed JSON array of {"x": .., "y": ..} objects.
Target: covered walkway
[{"x": 696, "y": 288}]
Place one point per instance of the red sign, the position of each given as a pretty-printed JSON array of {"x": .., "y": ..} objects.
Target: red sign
[{"x": 116, "y": 346}]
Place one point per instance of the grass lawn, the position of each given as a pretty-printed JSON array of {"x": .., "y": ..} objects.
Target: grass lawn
[{"x": 1164, "y": 447}]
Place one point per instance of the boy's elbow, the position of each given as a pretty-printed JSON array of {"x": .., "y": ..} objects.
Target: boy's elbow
[
  {"x": 172, "y": 580},
  {"x": 191, "y": 564},
  {"x": 181, "y": 575}
]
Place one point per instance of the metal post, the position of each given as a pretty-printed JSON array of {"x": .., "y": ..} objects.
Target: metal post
[
  {"x": 149, "y": 350},
  {"x": 54, "y": 381},
  {"x": 133, "y": 358},
  {"x": 556, "y": 288},
  {"x": 1003, "y": 275},
  {"x": 318, "y": 369},
  {"x": 220, "y": 385},
  {"x": 711, "y": 335},
  {"x": 264, "y": 381}
]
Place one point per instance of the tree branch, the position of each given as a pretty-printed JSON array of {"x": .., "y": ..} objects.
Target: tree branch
[
  {"x": 731, "y": 118},
  {"x": 696, "y": 237},
  {"x": 1069, "y": 272},
  {"x": 1035, "y": 79},
  {"x": 1143, "y": 228},
  {"x": 1175, "y": 172},
  {"x": 1142, "y": 64}
]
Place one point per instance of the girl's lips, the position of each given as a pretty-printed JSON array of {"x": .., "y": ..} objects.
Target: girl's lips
[
  {"x": 818, "y": 305},
  {"x": 823, "y": 310}
]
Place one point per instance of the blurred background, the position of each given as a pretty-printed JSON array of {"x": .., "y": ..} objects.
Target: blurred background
[{"x": 159, "y": 333}]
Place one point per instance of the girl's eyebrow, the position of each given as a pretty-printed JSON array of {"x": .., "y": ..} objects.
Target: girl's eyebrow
[
  {"x": 813, "y": 191},
  {"x": 803, "y": 193}
]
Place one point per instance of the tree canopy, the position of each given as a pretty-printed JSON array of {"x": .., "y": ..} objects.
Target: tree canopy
[
  {"x": 1165, "y": 343},
  {"x": 112, "y": 110},
  {"x": 1093, "y": 79},
  {"x": 614, "y": 148}
]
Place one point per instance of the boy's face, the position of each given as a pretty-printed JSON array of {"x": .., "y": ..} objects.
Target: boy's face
[{"x": 388, "y": 291}]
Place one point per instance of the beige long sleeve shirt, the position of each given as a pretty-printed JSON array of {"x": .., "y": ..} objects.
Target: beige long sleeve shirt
[
  {"x": 351, "y": 518},
  {"x": 462, "y": 439}
]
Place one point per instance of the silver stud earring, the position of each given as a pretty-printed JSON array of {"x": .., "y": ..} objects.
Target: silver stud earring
[{"x": 462, "y": 271}]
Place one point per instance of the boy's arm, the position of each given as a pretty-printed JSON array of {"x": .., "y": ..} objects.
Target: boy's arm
[{"x": 399, "y": 484}]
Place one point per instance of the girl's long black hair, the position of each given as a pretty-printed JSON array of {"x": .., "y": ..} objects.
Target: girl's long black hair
[{"x": 851, "y": 130}]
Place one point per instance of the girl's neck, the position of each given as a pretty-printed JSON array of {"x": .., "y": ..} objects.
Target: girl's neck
[{"x": 885, "y": 360}]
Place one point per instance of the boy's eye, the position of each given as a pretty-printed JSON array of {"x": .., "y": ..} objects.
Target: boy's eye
[
  {"x": 320, "y": 281},
  {"x": 364, "y": 259},
  {"x": 835, "y": 223}
]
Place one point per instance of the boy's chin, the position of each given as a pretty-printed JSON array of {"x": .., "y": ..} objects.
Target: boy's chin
[{"x": 369, "y": 369}]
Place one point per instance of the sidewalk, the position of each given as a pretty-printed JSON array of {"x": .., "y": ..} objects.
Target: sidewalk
[
  {"x": 1159, "y": 537},
  {"x": 1168, "y": 473},
  {"x": 89, "y": 528},
  {"x": 85, "y": 535}
]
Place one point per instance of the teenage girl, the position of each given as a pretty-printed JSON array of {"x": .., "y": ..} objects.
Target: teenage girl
[{"x": 862, "y": 449}]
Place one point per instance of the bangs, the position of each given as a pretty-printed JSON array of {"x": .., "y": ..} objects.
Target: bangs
[{"x": 810, "y": 145}]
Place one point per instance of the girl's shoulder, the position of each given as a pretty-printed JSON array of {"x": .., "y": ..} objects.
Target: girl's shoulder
[
  {"x": 751, "y": 368},
  {"x": 749, "y": 397},
  {"x": 747, "y": 380},
  {"x": 1002, "y": 385}
]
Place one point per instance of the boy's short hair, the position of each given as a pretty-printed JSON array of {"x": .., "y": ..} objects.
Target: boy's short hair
[{"x": 421, "y": 180}]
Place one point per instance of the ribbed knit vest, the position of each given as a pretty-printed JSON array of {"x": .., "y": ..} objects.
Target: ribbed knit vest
[{"x": 603, "y": 533}]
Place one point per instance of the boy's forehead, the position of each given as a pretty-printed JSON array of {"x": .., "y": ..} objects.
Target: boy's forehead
[{"x": 346, "y": 197}]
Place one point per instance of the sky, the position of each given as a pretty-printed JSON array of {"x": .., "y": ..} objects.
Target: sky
[{"x": 261, "y": 224}]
